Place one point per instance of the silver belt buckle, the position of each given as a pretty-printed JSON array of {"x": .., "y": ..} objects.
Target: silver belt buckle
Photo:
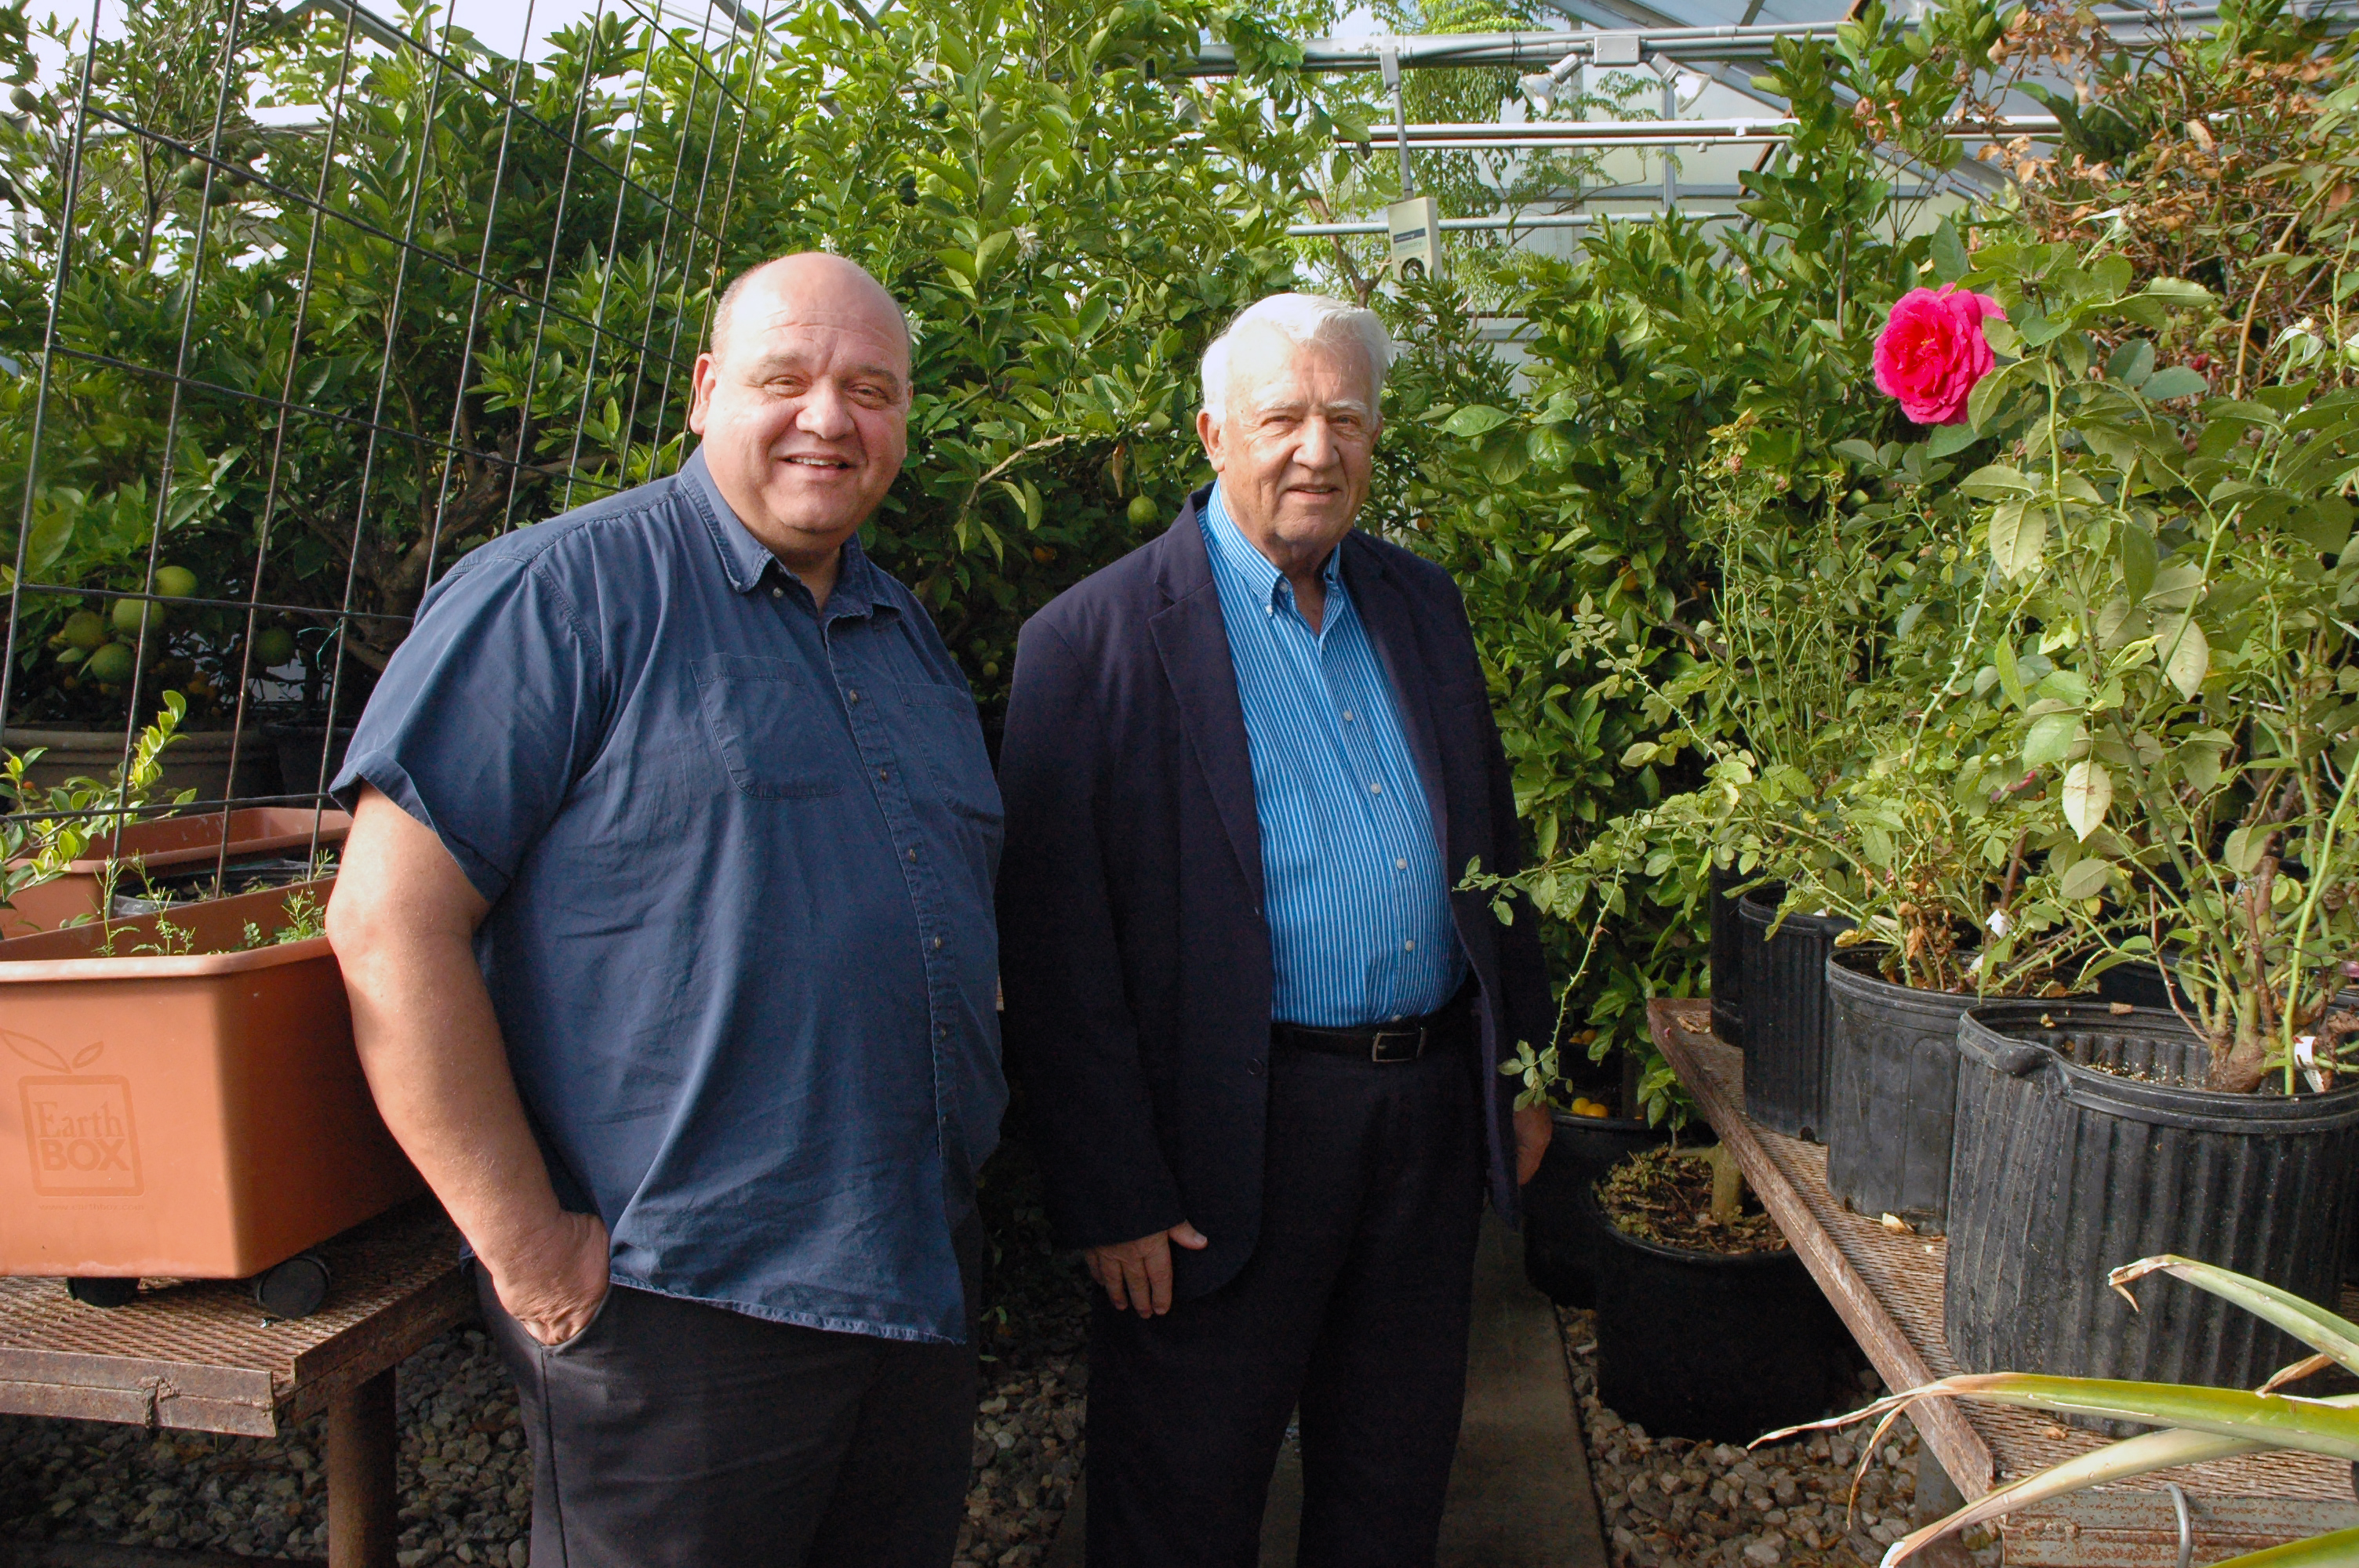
[{"x": 1410, "y": 1047}]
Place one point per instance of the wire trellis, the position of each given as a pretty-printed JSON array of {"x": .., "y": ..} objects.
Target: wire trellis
[{"x": 330, "y": 300}]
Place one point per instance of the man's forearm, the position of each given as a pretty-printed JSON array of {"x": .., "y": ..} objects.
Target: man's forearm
[
  {"x": 403, "y": 919},
  {"x": 430, "y": 1045}
]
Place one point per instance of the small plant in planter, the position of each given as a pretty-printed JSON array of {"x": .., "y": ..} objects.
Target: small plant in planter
[
  {"x": 1708, "y": 1325},
  {"x": 44, "y": 832}
]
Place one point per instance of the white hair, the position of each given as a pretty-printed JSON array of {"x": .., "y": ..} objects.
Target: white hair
[{"x": 1299, "y": 318}]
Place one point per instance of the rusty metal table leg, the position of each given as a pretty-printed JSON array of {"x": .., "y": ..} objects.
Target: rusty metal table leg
[
  {"x": 361, "y": 1497},
  {"x": 1938, "y": 1498}
]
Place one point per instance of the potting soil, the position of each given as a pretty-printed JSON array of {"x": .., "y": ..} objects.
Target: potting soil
[{"x": 1664, "y": 1195}]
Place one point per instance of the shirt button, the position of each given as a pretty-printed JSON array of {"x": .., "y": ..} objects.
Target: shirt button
[
  {"x": 913, "y": 854},
  {"x": 1409, "y": 945},
  {"x": 938, "y": 942},
  {"x": 1347, "y": 716},
  {"x": 1376, "y": 789},
  {"x": 852, "y": 696},
  {"x": 777, "y": 592},
  {"x": 1400, "y": 865}
]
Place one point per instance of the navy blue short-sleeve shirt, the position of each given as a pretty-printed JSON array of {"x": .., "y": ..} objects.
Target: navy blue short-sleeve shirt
[{"x": 739, "y": 853}]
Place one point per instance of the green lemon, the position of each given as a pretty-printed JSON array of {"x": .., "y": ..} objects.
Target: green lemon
[
  {"x": 110, "y": 665},
  {"x": 128, "y": 614},
  {"x": 84, "y": 629},
  {"x": 1143, "y": 510},
  {"x": 273, "y": 646},
  {"x": 175, "y": 583}
]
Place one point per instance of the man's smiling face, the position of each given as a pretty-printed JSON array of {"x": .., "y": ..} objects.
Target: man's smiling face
[
  {"x": 803, "y": 403},
  {"x": 1295, "y": 444}
]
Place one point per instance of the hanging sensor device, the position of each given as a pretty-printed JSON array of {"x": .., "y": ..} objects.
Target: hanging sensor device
[{"x": 1415, "y": 227}]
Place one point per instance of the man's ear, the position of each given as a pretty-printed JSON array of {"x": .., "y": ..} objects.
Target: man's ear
[
  {"x": 699, "y": 382},
  {"x": 1208, "y": 431}
]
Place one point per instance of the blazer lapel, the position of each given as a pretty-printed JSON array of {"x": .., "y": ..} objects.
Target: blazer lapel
[
  {"x": 1391, "y": 628},
  {"x": 1193, "y": 643}
]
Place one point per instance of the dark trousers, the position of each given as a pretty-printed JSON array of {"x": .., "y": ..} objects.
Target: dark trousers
[
  {"x": 1353, "y": 1307},
  {"x": 675, "y": 1434}
]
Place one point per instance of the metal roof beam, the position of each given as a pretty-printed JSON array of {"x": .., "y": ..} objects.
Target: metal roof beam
[{"x": 1655, "y": 34}]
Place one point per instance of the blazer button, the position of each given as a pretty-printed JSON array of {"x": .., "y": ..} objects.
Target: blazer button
[{"x": 1253, "y": 1066}]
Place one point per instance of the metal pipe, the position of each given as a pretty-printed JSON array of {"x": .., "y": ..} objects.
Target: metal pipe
[
  {"x": 1545, "y": 49},
  {"x": 1546, "y": 133},
  {"x": 1458, "y": 226}
]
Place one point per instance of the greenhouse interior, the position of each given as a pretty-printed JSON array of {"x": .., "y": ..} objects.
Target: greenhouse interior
[{"x": 1606, "y": 751}]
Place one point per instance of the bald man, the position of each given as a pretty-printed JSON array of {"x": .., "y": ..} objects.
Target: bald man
[{"x": 667, "y": 920}]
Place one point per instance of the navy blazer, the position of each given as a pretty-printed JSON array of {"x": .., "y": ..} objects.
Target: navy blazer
[{"x": 1133, "y": 951}]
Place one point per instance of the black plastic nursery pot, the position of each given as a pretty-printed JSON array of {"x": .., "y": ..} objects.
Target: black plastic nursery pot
[
  {"x": 2082, "y": 1145},
  {"x": 1892, "y": 1087},
  {"x": 1704, "y": 1345},
  {"x": 1564, "y": 1247},
  {"x": 1727, "y": 959},
  {"x": 1786, "y": 1014}
]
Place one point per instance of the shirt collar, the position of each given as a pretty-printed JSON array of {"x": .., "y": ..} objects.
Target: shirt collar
[
  {"x": 1236, "y": 554},
  {"x": 747, "y": 562}
]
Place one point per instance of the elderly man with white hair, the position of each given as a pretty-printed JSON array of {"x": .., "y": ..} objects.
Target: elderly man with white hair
[{"x": 1258, "y": 1026}]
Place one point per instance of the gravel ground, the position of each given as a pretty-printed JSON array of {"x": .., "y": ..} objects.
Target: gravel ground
[{"x": 1671, "y": 1503}]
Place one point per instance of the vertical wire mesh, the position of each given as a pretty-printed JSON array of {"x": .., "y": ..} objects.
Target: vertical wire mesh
[{"x": 330, "y": 301}]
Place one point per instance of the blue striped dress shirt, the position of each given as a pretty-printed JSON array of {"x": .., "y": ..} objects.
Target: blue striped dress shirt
[{"x": 1360, "y": 928}]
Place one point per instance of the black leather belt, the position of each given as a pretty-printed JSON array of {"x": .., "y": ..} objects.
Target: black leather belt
[{"x": 1404, "y": 1041}]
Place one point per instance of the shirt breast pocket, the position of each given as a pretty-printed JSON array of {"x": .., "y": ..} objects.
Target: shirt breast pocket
[
  {"x": 771, "y": 726},
  {"x": 944, "y": 733}
]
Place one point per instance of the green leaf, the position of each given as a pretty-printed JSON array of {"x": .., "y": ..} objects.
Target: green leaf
[
  {"x": 2088, "y": 795},
  {"x": 1640, "y": 754},
  {"x": 2010, "y": 672},
  {"x": 993, "y": 247},
  {"x": 2053, "y": 737},
  {"x": 2084, "y": 878},
  {"x": 2333, "y": 1550},
  {"x": 1951, "y": 438},
  {"x": 2175, "y": 382},
  {"x": 2310, "y": 1425},
  {"x": 1949, "y": 252},
  {"x": 2244, "y": 848},
  {"x": 2325, "y": 1332},
  {"x": 2132, "y": 362},
  {"x": 2140, "y": 1456},
  {"x": 1990, "y": 393},
  {"x": 2018, "y": 536},
  {"x": 2180, "y": 292},
  {"x": 2135, "y": 550},
  {"x": 2199, "y": 762},
  {"x": 2323, "y": 524},
  {"x": 2186, "y": 655},
  {"x": 1995, "y": 481},
  {"x": 1474, "y": 419}
]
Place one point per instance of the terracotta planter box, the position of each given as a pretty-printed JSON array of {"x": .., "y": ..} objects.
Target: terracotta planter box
[
  {"x": 197, "y": 1117},
  {"x": 176, "y": 842}
]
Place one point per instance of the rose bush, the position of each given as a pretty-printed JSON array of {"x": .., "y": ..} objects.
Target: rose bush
[{"x": 1932, "y": 352}]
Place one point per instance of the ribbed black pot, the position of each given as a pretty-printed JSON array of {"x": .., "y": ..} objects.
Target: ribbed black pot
[
  {"x": 1786, "y": 1015},
  {"x": 1892, "y": 1088},
  {"x": 1564, "y": 1247},
  {"x": 1702, "y": 1346},
  {"x": 2062, "y": 1172},
  {"x": 1727, "y": 959}
]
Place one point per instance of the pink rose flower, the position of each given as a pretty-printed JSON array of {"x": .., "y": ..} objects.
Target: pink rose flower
[{"x": 1932, "y": 352}]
